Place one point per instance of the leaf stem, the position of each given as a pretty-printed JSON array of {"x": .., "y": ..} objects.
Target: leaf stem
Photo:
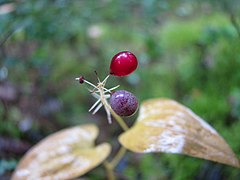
[
  {"x": 109, "y": 169},
  {"x": 118, "y": 157},
  {"x": 111, "y": 165}
]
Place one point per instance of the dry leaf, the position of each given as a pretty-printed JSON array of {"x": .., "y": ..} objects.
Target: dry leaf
[
  {"x": 66, "y": 154},
  {"x": 166, "y": 126}
]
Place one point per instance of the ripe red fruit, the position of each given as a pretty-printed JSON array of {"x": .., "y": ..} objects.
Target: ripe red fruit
[
  {"x": 123, "y": 64},
  {"x": 123, "y": 103}
]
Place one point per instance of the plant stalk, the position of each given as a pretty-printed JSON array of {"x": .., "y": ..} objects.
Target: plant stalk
[
  {"x": 109, "y": 169},
  {"x": 117, "y": 117},
  {"x": 118, "y": 157},
  {"x": 111, "y": 165}
]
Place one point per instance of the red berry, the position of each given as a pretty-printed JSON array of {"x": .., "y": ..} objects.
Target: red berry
[
  {"x": 123, "y": 103},
  {"x": 123, "y": 64}
]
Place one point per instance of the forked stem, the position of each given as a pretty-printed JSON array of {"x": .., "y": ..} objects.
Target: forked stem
[
  {"x": 102, "y": 96},
  {"x": 111, "y": 165}
]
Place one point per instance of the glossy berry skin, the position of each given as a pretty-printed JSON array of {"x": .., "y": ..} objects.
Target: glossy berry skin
[
  {"x": 123, "y": 64},
  {"x": 123, "y": 103}
]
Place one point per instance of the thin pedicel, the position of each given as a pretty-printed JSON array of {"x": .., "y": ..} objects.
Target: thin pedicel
[{"x": 101, "y": 94}]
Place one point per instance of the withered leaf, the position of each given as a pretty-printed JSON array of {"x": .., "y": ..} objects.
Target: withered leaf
[
  {"x": 66, "y": 154},
  {"x": 166, "y": 126}
]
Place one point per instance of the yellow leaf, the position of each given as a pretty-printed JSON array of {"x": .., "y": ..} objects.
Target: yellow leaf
[
  {"x": 66, "y": 154},
  {"x": 166, "y": 126}
]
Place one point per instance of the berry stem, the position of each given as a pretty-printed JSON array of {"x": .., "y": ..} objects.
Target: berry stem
[
  {"x": 94, "y": 105},
  {"x": 118, "y": 119},
  {"x": 105, "y": 80},
  {"x": 114, "y": 88},
  {"x": 108, "y": 107},
  {"x": 90, "y": 84}
]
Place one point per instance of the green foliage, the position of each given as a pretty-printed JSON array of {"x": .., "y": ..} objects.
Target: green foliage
[{"x": 6, "y": 165}]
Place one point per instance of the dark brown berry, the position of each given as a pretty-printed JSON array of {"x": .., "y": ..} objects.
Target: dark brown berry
[{"x": 81, "y": 79}]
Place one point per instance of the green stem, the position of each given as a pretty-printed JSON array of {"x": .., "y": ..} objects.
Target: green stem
[
  {"x": 117, "y": 117},
  {"x": 109, "y": 166},
  {"x": 118, "y": 157},
  {"x": 109, "y": 169}
]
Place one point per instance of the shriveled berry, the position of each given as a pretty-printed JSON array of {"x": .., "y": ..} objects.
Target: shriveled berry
[
  {"x": 123, "y": 103},
  {"x": 81, "y": 79},
  {"x": 123, "y": 64}
]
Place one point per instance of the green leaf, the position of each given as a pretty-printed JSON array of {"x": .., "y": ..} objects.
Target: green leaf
[{"x": 166, "y": 126}]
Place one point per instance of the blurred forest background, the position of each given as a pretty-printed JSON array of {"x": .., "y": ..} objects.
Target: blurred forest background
[{"x": 188, "y": 50}]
